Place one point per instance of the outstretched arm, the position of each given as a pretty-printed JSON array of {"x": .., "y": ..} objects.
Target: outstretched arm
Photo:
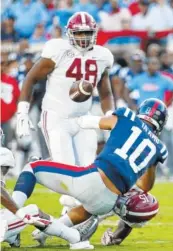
[{"x": 96, "y": 122}]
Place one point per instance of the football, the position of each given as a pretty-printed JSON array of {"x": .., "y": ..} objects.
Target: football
[{"x": 81, "y": 91}]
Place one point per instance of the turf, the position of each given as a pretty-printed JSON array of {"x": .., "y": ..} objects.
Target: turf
[{"x": 156, "y": 236}]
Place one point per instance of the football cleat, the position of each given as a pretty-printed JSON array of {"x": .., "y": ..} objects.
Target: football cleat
[
  {"x": 87, "y": 228},
  {"x": 16, "y": 242},
  {"x": 81, "y": 245},
  {"x": 40, "y": 237}
]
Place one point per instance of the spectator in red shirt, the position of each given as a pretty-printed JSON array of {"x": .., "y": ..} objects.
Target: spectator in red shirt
[{"x": 9, "y": 97}]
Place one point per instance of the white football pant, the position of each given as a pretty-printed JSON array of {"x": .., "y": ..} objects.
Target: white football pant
[{"x": 66, "y": 141}]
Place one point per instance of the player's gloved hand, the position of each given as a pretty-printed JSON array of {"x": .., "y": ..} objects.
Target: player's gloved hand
[
  {"x": 107, "y": 238},
  {"x": 30, "y": 217},
  {"x": 24, "y": 124}
]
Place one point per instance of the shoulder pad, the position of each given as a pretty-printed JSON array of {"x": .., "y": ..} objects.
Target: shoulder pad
[
  {"x": 54, "y": 48},
  {"x": 125, "y": 112}
]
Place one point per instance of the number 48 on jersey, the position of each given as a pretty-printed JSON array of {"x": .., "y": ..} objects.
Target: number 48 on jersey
[{"x": 90, "y": 70}]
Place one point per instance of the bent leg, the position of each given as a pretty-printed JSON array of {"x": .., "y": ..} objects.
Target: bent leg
[
  {"x": 24, "y": 186},
  {"x": 56, "y": 176}
]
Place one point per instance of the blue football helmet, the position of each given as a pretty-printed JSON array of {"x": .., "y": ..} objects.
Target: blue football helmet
[{"x": 154, "y": 111}]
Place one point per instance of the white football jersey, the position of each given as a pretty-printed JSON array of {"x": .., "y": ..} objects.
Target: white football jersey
[{"x": 72, "y": 65}]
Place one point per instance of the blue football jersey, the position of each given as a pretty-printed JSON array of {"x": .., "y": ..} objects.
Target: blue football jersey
[{"x": 131, "y": 149}]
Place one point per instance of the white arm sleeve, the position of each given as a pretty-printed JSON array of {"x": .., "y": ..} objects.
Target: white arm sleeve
[{"x": 89, "y": 122}]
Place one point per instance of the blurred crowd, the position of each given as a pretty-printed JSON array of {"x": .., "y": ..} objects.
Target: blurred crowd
[
  {"x": 137, "y": 73},
  {"x": 39, "y": 20}
]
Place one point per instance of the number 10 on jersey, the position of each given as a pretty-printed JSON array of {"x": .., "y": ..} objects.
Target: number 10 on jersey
[
  {"x": 139, "y": 151},
  {"x": 90, "y": 70}
]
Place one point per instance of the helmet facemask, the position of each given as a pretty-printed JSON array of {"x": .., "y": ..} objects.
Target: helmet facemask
[
  {"x": 83, "y": 40},
  {"x": 154, "y": 111}
]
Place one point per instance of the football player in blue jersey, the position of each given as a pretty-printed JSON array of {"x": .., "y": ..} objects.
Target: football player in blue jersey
[{"x": 129, "y": 157}]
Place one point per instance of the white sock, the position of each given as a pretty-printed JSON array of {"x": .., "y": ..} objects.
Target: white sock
[
  {"x": 60, "y": 230},
  {"x": 19, "y": 198},
  {"x": 65, "y": 219}
]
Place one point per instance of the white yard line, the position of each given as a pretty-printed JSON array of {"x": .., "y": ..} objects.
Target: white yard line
[{"x": 158, "y": 241}]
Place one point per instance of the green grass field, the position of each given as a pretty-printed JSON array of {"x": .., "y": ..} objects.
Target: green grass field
[{"x": 156, "y": 236}]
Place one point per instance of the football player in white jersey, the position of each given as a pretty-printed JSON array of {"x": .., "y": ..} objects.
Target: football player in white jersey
[
  {"x": 63, "y": 62},
  {"x": 13, "y": 220}
]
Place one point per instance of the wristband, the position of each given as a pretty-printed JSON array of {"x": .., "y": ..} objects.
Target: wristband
[{"x": 23, "y": 107}]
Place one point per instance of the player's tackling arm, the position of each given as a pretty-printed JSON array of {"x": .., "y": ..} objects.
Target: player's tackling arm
[
  {"x": 97, "y": 122},
  {"x": 105, "y": 93},
  {"x": 147, "y": 180},
  {"x": 39, "y": 71}
]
